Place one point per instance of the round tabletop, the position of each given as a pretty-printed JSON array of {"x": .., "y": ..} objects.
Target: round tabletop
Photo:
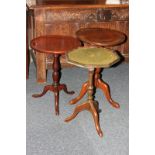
[
  {"x": 101, "y": 36},
  {"x": 54, "y": 44}
]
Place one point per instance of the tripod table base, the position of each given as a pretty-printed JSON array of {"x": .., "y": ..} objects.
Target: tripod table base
[
  {"x": 91, "y": 106},
  {"x": 55, "y": 90}
]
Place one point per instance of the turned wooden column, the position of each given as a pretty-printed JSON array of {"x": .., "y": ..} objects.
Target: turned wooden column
[
  {"x": 90, "y": 58},
  {"x": 99, "y": 37},
  {"x": 90, "y": 84},
  {"x": 56, "y": 69},
  {"x": 57, "y": 46},
  {"x": 56, "y": 79},
  {"x": 91, "y": 105}
]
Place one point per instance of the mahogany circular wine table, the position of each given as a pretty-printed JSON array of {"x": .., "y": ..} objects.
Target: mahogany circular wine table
[
  {"x": 56, "y": 45},
  {"x": 99, "y": 37}
]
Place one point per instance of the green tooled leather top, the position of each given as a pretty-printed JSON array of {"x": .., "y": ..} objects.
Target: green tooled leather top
[{"x": 92, "y": 57}]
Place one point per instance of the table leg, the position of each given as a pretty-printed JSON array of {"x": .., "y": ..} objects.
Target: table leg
[
  {"x": 56, "y": 79},
  {"x": 91, "y": 101},
  {"x": 79, "y": 108},
  {"x": 82, "y": 93},
  {"x": 46, "y": 88},
  {"x": 104, "y": 87},
  {"x": 56, "y": 86},
  {"x": 64, "y": 88},
  {"x": 89, "y": 105},
  {"x": 56, "y": 95},
  {"x": 98, "y": 84}
]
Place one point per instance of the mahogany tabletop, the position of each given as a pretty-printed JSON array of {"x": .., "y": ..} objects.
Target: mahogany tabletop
[
  {"x": 54, "y": 44},
  {"x": 101, "y": 36}
]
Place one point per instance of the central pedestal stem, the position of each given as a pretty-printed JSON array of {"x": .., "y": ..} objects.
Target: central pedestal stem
[
  {"x": 89, "y": 105},
  {"x": 56, "y": 86}
]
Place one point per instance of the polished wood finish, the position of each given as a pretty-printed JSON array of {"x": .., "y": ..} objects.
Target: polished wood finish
[
  {"x": 105, "y": 38},
  {"x": 101, "y": 37},
  {"x": 98, "y": 84},
  {"x": 94, "y": 57},
  {"x": 67, "y": 19},
  {"x": 82, "y": 93},
  {"x": 89, "y": 105},
  {"x": 56, "y": 45}
]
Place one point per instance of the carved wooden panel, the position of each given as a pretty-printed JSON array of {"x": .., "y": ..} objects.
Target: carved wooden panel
[
  {"x": 66, "y": 21},
  {"x": 84, "y": 15}
]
